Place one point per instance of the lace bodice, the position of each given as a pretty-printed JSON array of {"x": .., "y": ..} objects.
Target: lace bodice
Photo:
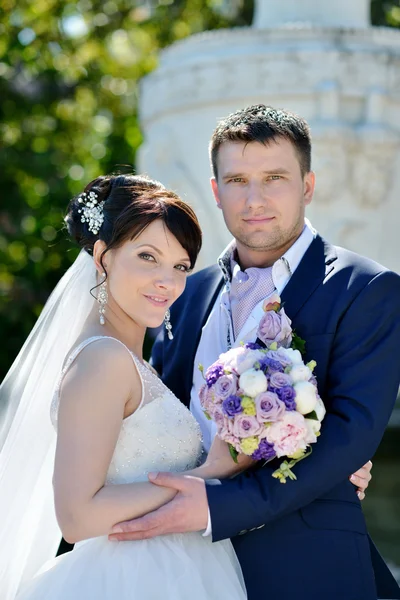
[{"x": 161, "y": 435}]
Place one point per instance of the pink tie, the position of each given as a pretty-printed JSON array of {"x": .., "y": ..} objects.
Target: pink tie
[{"x": 247, "y": 290}]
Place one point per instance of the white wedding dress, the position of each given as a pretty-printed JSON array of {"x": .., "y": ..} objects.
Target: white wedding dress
[{"x": 161, "y": 435}]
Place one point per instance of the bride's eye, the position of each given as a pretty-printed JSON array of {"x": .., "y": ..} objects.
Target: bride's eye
[
  {"x": 147, "y": 256},
  {"x": 183, "y": 268}
]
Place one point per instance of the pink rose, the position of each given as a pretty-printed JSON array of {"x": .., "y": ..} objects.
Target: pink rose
[
  {"x": 273, "y": 302},
  {"x": 246, "y": 426},
  {"x": 230, "y": 439},
  {"x": 289, "y": 434},
  {"x": 225, "y": 428},
  {"x": 226, "y": 386},
  {"x": 275, "y": 327},
  {"x": 206, "y": 396},
  {"x": 269, "y": 408}
]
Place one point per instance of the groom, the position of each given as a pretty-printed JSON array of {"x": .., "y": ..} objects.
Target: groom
[{"x": 306, "y": 539}]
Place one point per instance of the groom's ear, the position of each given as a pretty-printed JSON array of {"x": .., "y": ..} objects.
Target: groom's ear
[
  {"x": 309, "y": 186},
  {"x": 214, "y": 187}
]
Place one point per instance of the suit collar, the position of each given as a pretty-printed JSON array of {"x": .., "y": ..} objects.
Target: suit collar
[
  {"x": 290, "y": 259},
  {"x": 316, "y": 264}
]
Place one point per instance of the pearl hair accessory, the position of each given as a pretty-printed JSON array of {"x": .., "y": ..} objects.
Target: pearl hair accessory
[{"x": 92, "y": 211}]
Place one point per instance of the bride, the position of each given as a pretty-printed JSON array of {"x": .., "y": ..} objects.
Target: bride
[{"x": 115, "y": 420}]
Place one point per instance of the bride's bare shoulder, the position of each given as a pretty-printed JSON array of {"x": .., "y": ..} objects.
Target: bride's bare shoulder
[{"x": 99, "y": 362}]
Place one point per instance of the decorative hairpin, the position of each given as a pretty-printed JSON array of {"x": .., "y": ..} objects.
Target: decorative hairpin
[{"x": 92, "y": 211}]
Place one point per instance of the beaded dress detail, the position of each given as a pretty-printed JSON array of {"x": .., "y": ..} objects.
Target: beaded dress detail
[{"x": 161, "y": 435}]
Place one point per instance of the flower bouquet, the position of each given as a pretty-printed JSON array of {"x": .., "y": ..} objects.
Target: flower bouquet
[{"x": 263, "y": 398}]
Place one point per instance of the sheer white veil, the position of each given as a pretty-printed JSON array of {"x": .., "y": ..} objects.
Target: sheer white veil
[{"x": 29, "y": 534}]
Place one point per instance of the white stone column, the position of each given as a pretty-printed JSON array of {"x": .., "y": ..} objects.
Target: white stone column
[
  {"x": 329, "y": 66},
  {"x": 328, "y": 13}
]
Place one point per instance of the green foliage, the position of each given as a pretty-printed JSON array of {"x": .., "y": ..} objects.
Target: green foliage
[
  {"x": 385, "y": 12},
  {"x": 69, "y": 74},
  {"x": 298, "y": 343}
]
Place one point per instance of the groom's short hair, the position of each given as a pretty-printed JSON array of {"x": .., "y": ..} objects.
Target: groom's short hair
[{"x": 261, "y": 123}]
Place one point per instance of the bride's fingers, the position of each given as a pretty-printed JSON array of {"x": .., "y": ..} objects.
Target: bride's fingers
[
  {"x": 170, "y": 480},
  {"x": 361, "y": 479}
]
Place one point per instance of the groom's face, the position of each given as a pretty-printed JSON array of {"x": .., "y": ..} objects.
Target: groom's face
[{"x": 263, "y": 195}]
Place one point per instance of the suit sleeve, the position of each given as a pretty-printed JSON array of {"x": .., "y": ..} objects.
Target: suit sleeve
[
  {"x": 157, "y": 355},
  {"x": 363, "y": 380}
]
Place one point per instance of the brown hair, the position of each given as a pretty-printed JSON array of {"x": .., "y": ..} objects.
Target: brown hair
[
  {"x": 131, "y": 203},
  {"x": 260, "y": 123}
]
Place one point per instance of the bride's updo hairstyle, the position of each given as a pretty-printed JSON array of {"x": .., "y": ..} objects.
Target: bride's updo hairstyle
[{"x": 131, "y": 203}]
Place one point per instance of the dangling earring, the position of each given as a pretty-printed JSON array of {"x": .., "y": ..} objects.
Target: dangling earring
[
  {"x": 168, "y": 325},
  {"x": 102, "y": 299}
]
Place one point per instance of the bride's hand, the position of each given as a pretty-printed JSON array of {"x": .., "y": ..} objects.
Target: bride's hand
[{"x": 220, "y": 464}]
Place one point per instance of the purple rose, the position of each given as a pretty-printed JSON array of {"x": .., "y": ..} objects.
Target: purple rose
[
  {"x": 280, "y": 380},
  {"x": 268, "y": 407},
  {"x": 246, "y": 426},
  {"x": 269, "y": 365},
  {"x": 232, "y": 406},
  {"x": 287, "y": 394},
  {"x": 253, "y": 346},
  {"x": 213, "y": 373},
  {"x": 225, "y": 386},
  {"x": 275, "y": 327},
  {"x": 265, "y": 451},
  {"x": 280, "y": 356}
]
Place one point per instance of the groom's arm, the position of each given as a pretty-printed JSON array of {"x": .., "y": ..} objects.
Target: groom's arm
[{"x": 363, "y": 380}]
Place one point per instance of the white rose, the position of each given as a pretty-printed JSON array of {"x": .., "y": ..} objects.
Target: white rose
[
  {"x": 253, "y": 382},
  {"x": 320, "y": 409},
  {"x": 313, "y": 427},
  {"x": 293, "y": 355},
  {"x": 300, "y": 373},
  {"x": 240, "y": 359},
  {"x": 306, "y": 397},
  {"x": 247, "y": 360}
]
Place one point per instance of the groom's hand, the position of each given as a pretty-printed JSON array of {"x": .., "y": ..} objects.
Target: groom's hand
[
  {"x": 361, "y": 479},
  {"x": 188, "y": 511}
]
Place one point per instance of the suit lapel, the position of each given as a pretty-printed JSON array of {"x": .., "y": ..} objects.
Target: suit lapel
[
  {"x": 314, "y": 267},
  {"x": 207, "y": 293},
  {"x": 202, "y": 302}
]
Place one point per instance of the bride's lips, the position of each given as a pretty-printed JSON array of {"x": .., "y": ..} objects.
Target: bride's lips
[{"x": 155, "y": 300}]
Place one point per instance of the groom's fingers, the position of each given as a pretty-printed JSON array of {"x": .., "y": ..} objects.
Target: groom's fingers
[
  {"x": 188, "y": 511},
  {"x": 138, "y": 529}
]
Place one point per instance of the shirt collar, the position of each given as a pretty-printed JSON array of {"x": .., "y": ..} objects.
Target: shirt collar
[{"x": 284, "y": 267}]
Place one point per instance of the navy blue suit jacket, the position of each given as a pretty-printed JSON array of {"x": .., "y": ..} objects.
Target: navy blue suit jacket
[{"x": 307, "y": 539}]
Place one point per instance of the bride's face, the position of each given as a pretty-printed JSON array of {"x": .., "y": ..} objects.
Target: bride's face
[{"x": 147, "y": 274}]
